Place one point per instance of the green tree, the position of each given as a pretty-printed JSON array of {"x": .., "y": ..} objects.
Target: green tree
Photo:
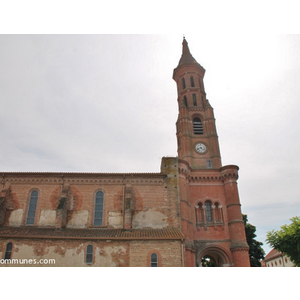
[
  {"x": 287, "y": 240},
  {"x": 256, "y": 252}
]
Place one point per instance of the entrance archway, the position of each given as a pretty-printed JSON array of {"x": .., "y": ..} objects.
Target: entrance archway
[{"x": 213, "y": 256}]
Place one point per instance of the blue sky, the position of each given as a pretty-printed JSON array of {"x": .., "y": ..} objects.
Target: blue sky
[{"x": 108, "y": 103}]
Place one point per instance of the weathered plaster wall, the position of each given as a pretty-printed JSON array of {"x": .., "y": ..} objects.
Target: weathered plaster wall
[{"x": 106, "y": 253}]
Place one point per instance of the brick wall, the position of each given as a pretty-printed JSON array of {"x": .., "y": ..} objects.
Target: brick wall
[
  {"x": 130, "y": 200},
  {"x": 105, "y": 253},
  {"x": 169, "y": 253}
]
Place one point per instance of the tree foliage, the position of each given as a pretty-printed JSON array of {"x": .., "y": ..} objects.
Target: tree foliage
[
  {"x": 287, "y": 240},
  {"x": 256, "y": 252}
]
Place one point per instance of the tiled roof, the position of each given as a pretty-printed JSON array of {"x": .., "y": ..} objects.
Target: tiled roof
[
  {"x": 91, "y": 233},
  {"x": 186, "y": 57},
  {"x": 272, "y": 254}
]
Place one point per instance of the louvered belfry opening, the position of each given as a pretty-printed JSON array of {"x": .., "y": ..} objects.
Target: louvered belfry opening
[{"x": 197, "y": 126}]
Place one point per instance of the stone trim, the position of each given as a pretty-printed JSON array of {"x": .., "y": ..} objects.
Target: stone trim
[{"x": 235, "y": 221}]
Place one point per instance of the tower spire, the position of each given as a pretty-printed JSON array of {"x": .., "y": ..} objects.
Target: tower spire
[
  {"x": 208, "y": 193},
  {"x": 186, "y": 57},
  {"x": 196, "y": 131}
]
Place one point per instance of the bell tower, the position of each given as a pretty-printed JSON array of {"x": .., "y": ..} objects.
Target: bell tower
[
  {"x": 210, "y": 208},
  {"x": 197, "y": 137}
]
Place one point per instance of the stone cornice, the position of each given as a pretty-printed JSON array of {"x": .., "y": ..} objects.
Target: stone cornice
[
  {"x": 78, "y": 174},
  {"x": 229, "y": 173},
  {"x": 82, "y": 179},
  {"x": 203, "y": 179},
  {"x": 225, "y": 174},
  {"x": 235, "y": 221},
  {"x": 233, "y": 204},
  {"x": 239, "y": 247},
  {"x": 195, "y": 176}
]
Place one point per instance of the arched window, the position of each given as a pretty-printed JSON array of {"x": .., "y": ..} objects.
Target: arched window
[
  {"x": 154, "y": 260},
  {"x": 8, "y": 251},
  {"x": 98, "y": 215},
  {"x": 183, "y": 83},
  {"x": 208, "y": 211},
  {"x": 89, "y": 254},
  {"x": 192, "y": 81},
  {"x": 194, "y": 100},
  {"x": 197, "y": 126},
  {"x": 32, "y": 207}
]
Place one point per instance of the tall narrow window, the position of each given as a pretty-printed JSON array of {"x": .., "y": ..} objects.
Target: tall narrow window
[
  {"x": 8, "y": 251},
  {"x": 192, "y": 82},
  {"x": 194, "y": 100},
  {"x": 197, "y": 126},
  {"x": 183, "y": 83},
  {"x": 185, "y": 101},
  {"x": 209, "y": 164},
  {"x": 98, "y": 215},
  {"x": 208, "y": 211},
  {"x": 89, "y": 254},
  {"x": 32, "y": 208},
  {"x": 154, "y": 260}
]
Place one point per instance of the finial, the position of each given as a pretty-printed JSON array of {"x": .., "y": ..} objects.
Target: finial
[{"x": 184, "y": 36}]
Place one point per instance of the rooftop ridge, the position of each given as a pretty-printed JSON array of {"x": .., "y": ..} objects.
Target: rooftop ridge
[{"x": 91, "y": 233}]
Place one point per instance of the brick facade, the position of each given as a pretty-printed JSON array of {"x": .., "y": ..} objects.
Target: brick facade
[
  {"x": 211, "y": 218},
  {"x": 188, "y": 212},
  {"x": 144, "y": 205},
  {"x": 108, "y": 253}
]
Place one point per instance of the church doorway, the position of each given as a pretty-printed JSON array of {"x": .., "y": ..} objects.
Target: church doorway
[{"x": 213, "y": 257}]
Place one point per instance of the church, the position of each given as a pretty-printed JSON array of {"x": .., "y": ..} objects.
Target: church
[{"x": 187, "y": 215}]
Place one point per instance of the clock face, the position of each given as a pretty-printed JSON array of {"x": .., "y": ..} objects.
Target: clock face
[{"x": 200, "y": 148}]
